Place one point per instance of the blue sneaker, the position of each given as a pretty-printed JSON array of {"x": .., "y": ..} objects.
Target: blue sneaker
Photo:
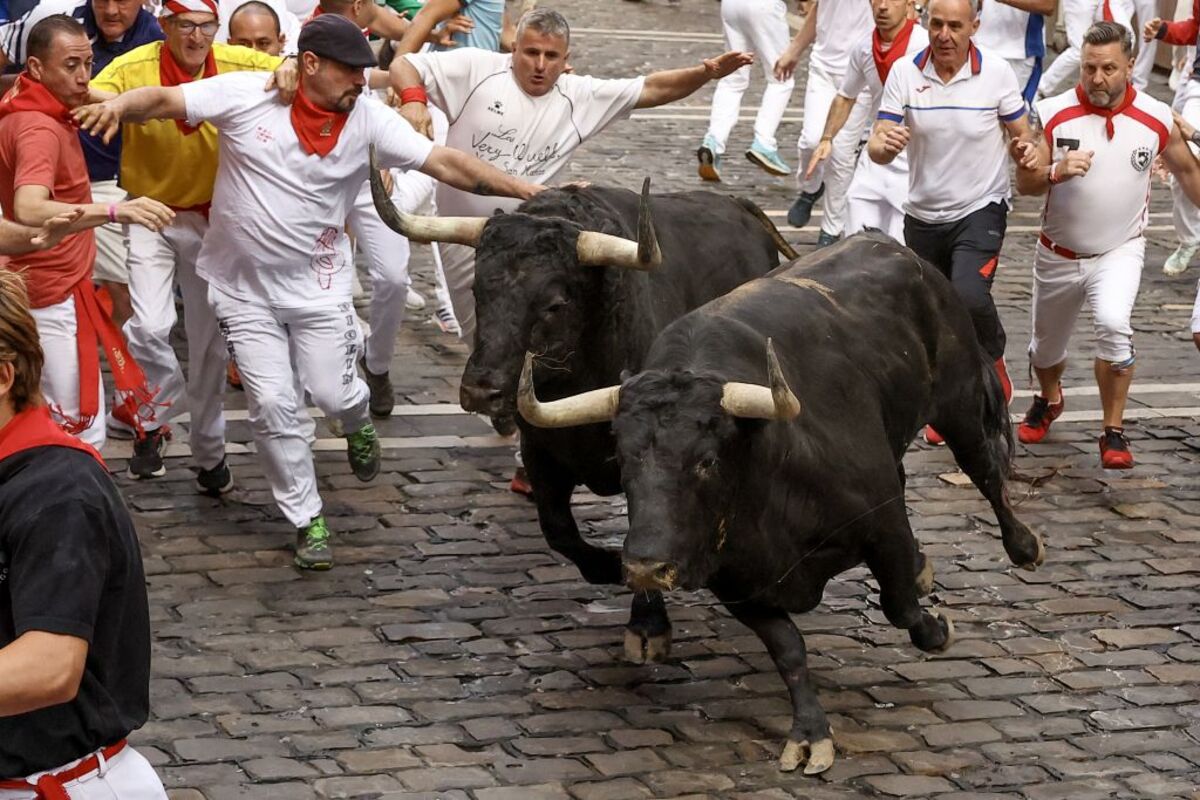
[
  {"x": 801, "y": 210},
  {"x": 710, "y": 162},
  {"x": 769, "y": 160},
  {"x": 825, "y": 239}
]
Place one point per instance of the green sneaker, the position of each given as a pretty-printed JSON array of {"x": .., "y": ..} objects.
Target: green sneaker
[
  {"x": 362, "y": 449},
  {"x": 312, "y": 546}
]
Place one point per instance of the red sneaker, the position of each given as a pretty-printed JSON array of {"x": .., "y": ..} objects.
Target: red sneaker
[
  {"x": 520, "y": 483},
  {"x": 1002, "y": 374},
  {"x": 933, "y": 437},
  {"x": 1114, "y": 449},
  {"x": 1037, "y": 420},
  {"x": 232, "y": 376}
]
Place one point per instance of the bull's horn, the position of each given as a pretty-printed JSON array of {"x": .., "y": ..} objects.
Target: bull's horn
[
  {"x": 601, "y": 249},
  {"x": 598, "y": 405},
  {"x": 456, "y": 230},
  {"x": 776, "y": 401}
]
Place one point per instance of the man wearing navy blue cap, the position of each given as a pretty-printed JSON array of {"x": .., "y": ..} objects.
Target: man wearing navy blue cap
[{"x": 277, "y": 260}]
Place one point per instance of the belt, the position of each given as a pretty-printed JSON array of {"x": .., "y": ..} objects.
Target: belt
[
  {"x": 51, "y": 786},
  {"x": 1062, "y": 251}
]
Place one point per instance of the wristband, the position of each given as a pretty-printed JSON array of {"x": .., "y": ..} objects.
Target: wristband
[
  {"x": 1054, "y": 179},
  {"x": 112, "y": 212},
  {"x": 414, "y": 94}
]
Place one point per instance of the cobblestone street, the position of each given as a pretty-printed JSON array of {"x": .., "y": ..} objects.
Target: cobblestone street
[{"x": 451, "y": 654}]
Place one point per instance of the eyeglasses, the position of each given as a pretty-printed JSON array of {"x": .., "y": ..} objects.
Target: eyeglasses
[{"x": 188, "y": 28}]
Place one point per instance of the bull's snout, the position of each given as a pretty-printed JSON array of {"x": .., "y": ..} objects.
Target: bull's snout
[
  {"x": 480, "y": 399},
  {"x": 644, "y": 576}
]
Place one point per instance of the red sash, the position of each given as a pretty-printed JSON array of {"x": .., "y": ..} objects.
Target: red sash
[
  {"x": 32, "y": 428},
  {"x": 1107, "y": 113},
  {"x": 899, "y": 45},
  {"x": 29, "y": 95},
  {"x": 317, "y": 129},
  {"x": 171, "y": 74}
]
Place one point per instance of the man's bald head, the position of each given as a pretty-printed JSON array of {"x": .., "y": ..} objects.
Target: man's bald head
[{"x": 256, "y": 25}]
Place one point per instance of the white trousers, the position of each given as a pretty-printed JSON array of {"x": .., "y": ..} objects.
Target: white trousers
[
  {"x": 1123, "y": 11},
  {"x": 325, "y": 342},
  {"x": 1184, "y": 214},
  {"x": 1107, "y": 283},
  {"x": 1196, "y": 311},
  {"x": 157, "y": 261},
  {"x": 1078, "y": 15},
  {"x": 112, "y": 240},
  {"x": 60, "y": 372},
  {"x": 836, "y": 171},
  {"x": 458, "y": 262},
  {"x": 387, "y": 263},
  {"x": 760, "y": 27},
  {"x": 877, "y": 195},
  {"x": 127, "y": 776}
]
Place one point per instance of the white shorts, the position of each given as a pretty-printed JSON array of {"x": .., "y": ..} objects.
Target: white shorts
[
  {"x": 112, "y": 240},
  {"x": 128, "y": 776},
  {"x": 1108, "y": 283},
  {"x": 1196, "y": 311}
]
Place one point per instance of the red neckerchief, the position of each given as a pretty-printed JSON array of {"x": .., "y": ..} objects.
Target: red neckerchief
[
  {"x": 884, "y": 61},
  {"x": 171, "y": 74},
  {"x": 32, "y": 428},
  {"x": 317, "y": 129},
  {"x": 1107, "y": 113},
  {"x": 29, "y": 95}
]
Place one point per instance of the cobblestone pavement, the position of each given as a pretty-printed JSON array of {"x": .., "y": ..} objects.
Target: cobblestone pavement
[{"x": 449, "y": 654}]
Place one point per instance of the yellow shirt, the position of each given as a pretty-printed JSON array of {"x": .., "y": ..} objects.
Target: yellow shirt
[{"x": 157, "y": 159}]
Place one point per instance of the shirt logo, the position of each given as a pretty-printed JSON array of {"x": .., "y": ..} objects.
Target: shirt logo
[
  {"x": 923, "y": 88},
  {"x": 496, "y": 107},
  {"x": 1140, "y": 158},
  {"x": 263, "y": 135}
]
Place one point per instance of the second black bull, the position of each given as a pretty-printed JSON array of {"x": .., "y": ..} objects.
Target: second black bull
[{"x": 585, "y": 278}]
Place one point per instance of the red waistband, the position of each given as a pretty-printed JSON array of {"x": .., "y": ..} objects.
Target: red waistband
[
  {"x": 1060, "y": 250},
  {"x": 51, "y": 786}
]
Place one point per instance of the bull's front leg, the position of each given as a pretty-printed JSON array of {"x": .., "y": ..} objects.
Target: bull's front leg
[
  {"x": 552, "y": 490},
  {"x": 648, "y": 635},
  {"x": 810, "y": 740}
]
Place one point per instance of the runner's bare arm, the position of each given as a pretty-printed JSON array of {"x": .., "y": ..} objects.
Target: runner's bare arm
[
  {"x": 403, "y": 75},
  {"x": 469, "y": 174},
  {"x": 39, "y": 670},
  {"x": 1182, "y": 164},
  {"x": 33, "y": 207},
  {"x": 432, "y": 14},
  {"x": 16, "y": 239},
  {"x": 785, "y": 67},
  {"x": 839, "y": 112},
  {"x": 670, "y": 85},
  {"x": 1032, "y": 158},
  {"x": 149, "y": 102},
  {"x": 888, "y": 138}
]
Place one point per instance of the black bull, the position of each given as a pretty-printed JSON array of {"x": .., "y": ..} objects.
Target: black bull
[
  {"x": 540, "y": 286},
  {"x": 763, "y": 495}
]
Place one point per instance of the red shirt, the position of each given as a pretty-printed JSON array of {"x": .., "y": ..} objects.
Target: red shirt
[{"x": 38, "y": 150}]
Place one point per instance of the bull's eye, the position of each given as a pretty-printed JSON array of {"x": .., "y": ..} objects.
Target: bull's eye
[
  {"x": 706, "y": 467},
  {"x": 555, "y": 307}
]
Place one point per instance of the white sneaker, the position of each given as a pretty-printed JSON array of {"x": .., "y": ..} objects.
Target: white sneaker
[
  {"x": 1178, "y": 261},
  {"x": 414, "y": 301},
  {"x": 444, "y": 318}
]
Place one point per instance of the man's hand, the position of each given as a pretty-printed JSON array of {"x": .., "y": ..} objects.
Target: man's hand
[
  {"x": 1187, "y": 129},
  {"x": 1074, "y": 165},
  {"x": 145, "y": 212},
  {"x": 895, "y": 140},
  {"x": 1150, "y": 32},
  {"x": 100, "y": 119},
  {"x": 285, "y": 78},
  {"x": 55, "y": 229},
  {"x": 1024, "y": 153},
  {"x": 417, "y": 115},
  {"x": 785, "y": 67},
  {"x": 444, "y": 35},
  {"x": 824, "y": 148},
  {"x": 727, "y": 64}
]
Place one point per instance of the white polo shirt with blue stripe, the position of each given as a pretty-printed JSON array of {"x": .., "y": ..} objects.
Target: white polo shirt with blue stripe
[{"x": 957, "y": 148}]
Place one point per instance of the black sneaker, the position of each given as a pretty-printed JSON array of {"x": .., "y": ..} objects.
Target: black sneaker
[
  {"x": 216, "y": 481},
  {"x": 801, "y": 210},
  {"x": 825, "y": 239},
  {"x": 147, "y": 458},
  {"x": 383, "y": 396}
]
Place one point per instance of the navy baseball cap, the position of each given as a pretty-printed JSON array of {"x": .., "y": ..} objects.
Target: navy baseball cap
[{"x": 334, "y": 37}]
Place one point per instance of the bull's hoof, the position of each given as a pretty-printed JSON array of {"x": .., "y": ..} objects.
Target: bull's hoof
[
  {"x": 933, "y": 634},
  {"x": 948, "y": 627},
  {"x": 1025, "y": 548},
  {"x": 1038, "y": 559},
  {"x": 642, "y": 648},
  {"x": 925, "y": 577},
  {"x": 819, "y": 756}
]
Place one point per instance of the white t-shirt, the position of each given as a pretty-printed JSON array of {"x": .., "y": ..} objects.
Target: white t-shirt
[
  {"x": 1107, "y": 207},
  {"x": 277, "y": 224},
  {"x": 863, "y": 73},
  {"x": 494, "y": 120},
  {"x": 840, "y": 26},
  {"x": 957, "y": 149},
  {"x": 1010, "y": 32}
]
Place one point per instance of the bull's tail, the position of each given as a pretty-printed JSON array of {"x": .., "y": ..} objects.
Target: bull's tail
[
  {"x": 996, "y": 421},
  {"x": 781, "y": 244}
]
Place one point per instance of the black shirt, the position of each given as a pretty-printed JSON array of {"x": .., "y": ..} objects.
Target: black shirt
[{"x": 70, "y": 564}]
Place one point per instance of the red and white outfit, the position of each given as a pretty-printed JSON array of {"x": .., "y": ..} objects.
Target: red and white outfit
[
  {"x": 111, "y": 772},
  {"x": 841, "y": 25},
  {"x": 1124, "y": 11},
  {"x": 878, "y": 192},
  {"x": 278, "y": 262},
  {"x": 1184, "y": 33},
  {"x": 1091, "y": 249}
]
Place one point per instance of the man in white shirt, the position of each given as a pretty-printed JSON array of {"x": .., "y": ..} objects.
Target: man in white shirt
[
  {"x": 1077, "y": 16},
  {"x": 954, "y": 109},
  {"x": 833, "y": 28},
  {"x": 277, "y": 260},
  {"x": 524, "y": 115},
  {"x": 1015, "y": 30},
  {"x": 1100, "y": 140},
  {"x": 1123, "y": 12},
  {"x": 877, "y": 191}
]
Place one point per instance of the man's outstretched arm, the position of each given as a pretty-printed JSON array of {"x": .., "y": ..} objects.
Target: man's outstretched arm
[
  {"x": 139, "y": 105},
  {"x": 670, "y": 85},
  {"x": 457, "y": 169}
]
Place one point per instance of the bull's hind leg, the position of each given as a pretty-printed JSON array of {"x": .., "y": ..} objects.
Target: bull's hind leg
[{"x": 810, "y": 740}]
